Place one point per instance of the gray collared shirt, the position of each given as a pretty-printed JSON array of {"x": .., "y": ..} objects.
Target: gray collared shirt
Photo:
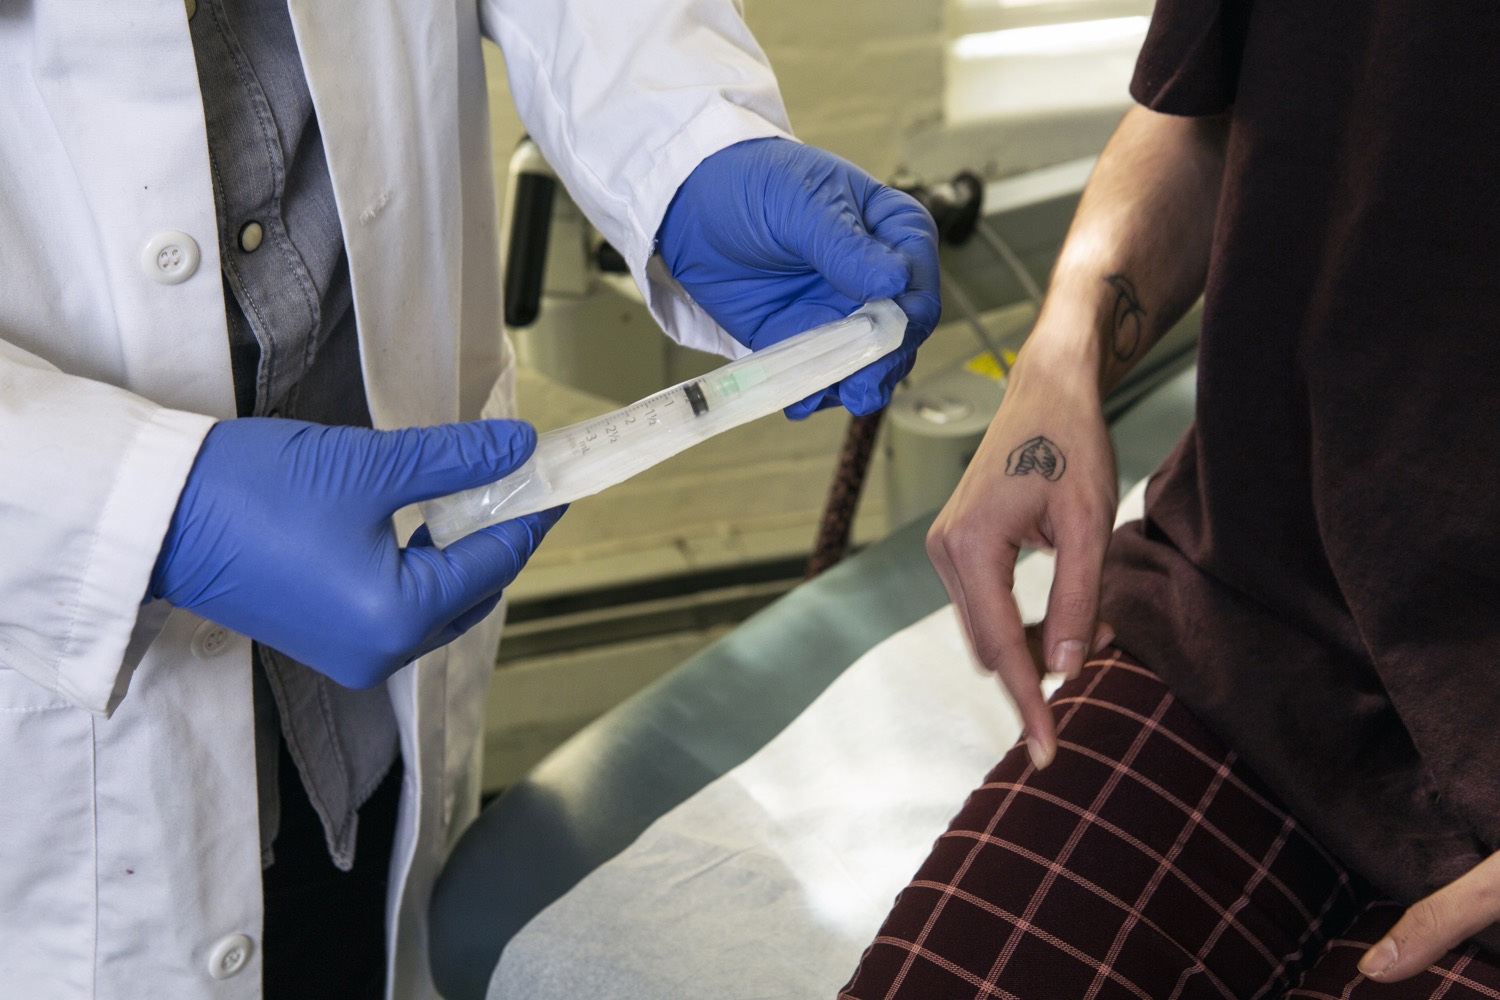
[{"x": 295, "y": 353}]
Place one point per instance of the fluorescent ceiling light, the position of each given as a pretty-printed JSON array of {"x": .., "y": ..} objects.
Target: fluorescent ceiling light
[
  {"x": 1005, "y": 4},
  {"x": 1050, "y": 39}
]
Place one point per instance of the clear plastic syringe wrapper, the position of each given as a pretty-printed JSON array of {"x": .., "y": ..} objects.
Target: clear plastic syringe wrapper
[{"x": 585, "y": 458}]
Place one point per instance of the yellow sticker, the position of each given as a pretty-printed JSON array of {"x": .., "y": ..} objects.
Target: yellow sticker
[{"x": 986, "y": 365}]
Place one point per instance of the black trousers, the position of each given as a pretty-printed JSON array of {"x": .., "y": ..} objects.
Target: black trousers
[{"x": 324, "y": 935}]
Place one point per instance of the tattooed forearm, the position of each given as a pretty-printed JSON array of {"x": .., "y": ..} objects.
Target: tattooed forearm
[
  {"x": 1038, "y": 456},
  {"x": 1129, "y": 318}
]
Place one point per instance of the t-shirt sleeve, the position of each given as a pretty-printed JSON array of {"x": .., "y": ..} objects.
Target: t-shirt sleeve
[{"x": 1190, "y": 63}]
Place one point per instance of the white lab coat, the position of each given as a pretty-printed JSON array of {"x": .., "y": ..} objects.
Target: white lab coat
[{"x": 129, "y": 853}]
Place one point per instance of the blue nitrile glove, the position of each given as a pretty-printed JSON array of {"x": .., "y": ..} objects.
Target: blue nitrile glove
[
  {"x": 283, "y": 533},
  {"x": 772, "y": 237}
]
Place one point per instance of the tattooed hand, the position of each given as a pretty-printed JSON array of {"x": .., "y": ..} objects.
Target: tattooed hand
[
  {"x": 1044, "y": 476},
  {"x": 1038, "y": 456}
]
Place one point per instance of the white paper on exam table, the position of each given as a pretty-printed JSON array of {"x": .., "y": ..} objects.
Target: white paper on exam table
[{"x": 771, "y": 881}]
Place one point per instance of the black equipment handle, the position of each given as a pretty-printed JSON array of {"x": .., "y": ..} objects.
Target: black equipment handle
[{"x": 526, "y": 257}]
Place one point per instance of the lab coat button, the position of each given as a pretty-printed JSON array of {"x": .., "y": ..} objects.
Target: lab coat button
[
  {"x": 170, "y": 257},
  {"x": 192, "y": 8},
  {"x": 210, "y": 639},
  {"x": 229, "y": 956}
]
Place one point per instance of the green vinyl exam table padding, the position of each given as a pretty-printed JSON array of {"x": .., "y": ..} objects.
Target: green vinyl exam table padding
[{"x": 593, "y": 796}]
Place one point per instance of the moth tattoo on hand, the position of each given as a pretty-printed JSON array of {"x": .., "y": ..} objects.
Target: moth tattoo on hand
[
  {"x": 1129, "y": 318},
  {"x": 1040, "y": 457}
]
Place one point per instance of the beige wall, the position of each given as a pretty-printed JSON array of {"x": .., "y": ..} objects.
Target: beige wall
[{"x": 857, "y": 75}]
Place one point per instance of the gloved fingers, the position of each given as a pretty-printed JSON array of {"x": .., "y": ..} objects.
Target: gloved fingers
[
  {"x": 460, "y": 625},
  {"x": 837, "y": 246},
  {"x": 897, "y": 220},
  {"x": 820, "y": 400},
  {"x": 923, "y": 310},
  {"x": 894, "y": 217},
  {"x": 922, "y": 301},
  {"x": 815, "y": 207},
  {"x": 870, "y": 388},
  {"x": 803, "y": 315},
  {"x": 862, "y": 396},
  {"x": 473, "y": 616},
  {"x": 450, "y": 582},
  {"x": 808, "y": 307},
  {"x": 420, "y": 463}
]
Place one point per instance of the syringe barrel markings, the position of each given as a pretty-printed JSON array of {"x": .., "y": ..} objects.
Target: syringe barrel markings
[{"x": 585, "y": 458}]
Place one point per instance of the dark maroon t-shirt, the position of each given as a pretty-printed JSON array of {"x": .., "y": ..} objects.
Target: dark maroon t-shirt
[{"x": 1318, "y": 573}]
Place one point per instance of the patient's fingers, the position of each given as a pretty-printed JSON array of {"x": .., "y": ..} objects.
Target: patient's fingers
[
  {"x": 937, "y": 554},
  {"x": 969, "y": 567},
  {"x": 1437, "y": 924},
  {"x": 1104, "y": 634},
  {"x": 980, "y": 579},
  {"x": 1073, "y": 603}
]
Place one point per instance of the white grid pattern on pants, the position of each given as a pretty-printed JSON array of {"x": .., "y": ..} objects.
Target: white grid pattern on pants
[{"x": 1147, "y": 862}]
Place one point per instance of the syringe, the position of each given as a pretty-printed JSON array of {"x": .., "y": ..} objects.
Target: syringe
[{"x": 585, "y": 458}]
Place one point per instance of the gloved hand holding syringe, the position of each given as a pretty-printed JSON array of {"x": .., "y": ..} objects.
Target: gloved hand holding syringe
[{"x": 585, "y": 458}]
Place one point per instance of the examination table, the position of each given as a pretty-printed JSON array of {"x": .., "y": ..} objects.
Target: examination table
[{"x": 739, "y": 828}]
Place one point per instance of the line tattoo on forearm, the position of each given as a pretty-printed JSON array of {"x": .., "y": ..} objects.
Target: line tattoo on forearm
[
  {"x": 1039, "y": 456},
  {"x": 1129, "y": 318}
]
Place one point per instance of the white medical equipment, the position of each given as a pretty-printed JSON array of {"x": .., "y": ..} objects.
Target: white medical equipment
[{"x": 585, "y": 458}]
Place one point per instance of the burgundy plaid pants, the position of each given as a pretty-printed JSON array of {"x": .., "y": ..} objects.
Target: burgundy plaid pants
[{"x": 1147, "y": 863}]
